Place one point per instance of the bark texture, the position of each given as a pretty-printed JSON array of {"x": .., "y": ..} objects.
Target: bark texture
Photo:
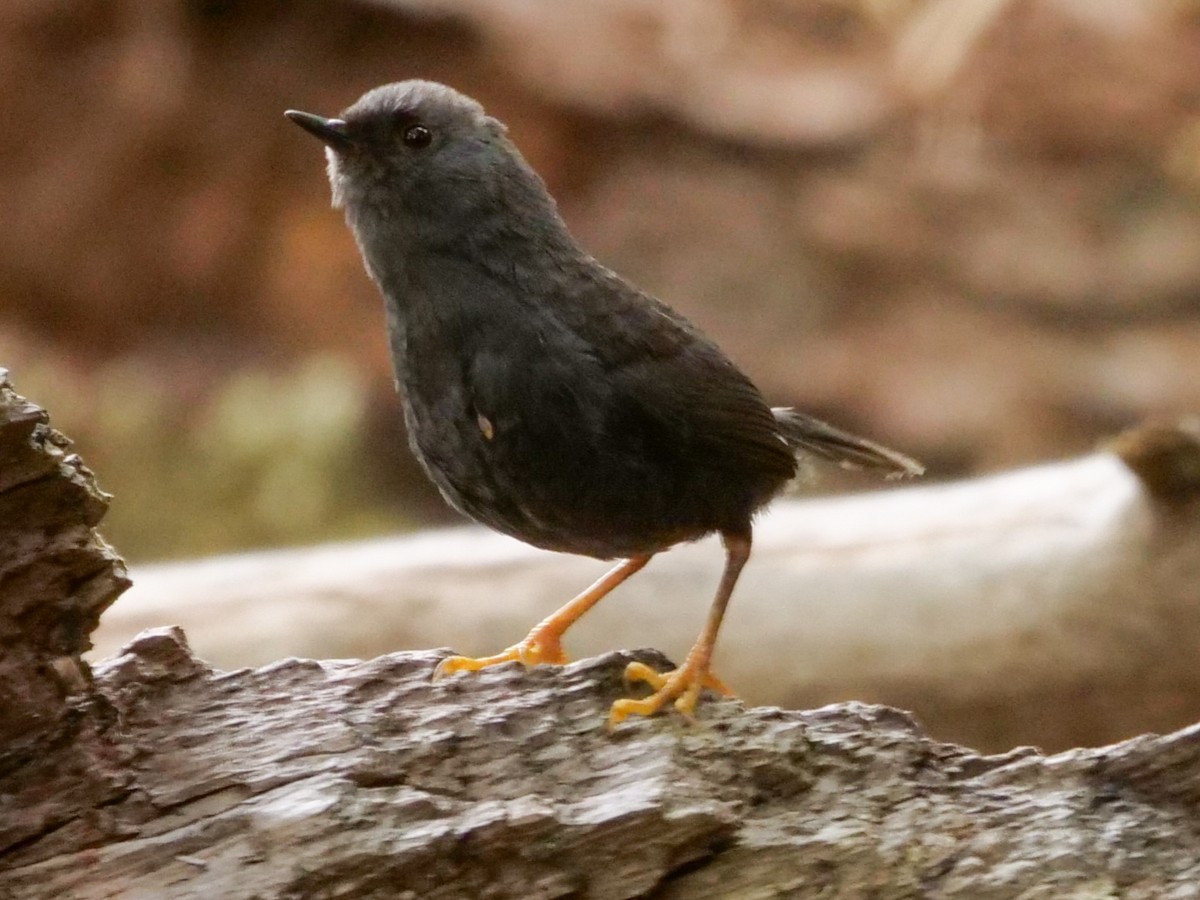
[
  {"x": 366, "y": 779},
  {"x": 56, "y": 575}
]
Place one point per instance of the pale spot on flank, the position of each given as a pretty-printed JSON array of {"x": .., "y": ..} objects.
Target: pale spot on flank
[{"x": 485, "y": 426}]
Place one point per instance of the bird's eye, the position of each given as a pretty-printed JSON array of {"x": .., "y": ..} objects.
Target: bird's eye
[{"x": 417, "y": 137}]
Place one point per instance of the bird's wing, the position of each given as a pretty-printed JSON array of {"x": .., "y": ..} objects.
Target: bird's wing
[
  {"x": 709, "y": 409},
  {"x": 672, "y": 381}
]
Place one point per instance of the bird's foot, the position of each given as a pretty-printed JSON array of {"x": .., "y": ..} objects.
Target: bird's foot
[
  {"x": 541, "y": 646},
  {"x": 683, "y": 685}
]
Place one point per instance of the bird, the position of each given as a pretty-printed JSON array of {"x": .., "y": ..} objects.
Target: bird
[{"x": 544, "y": 395}]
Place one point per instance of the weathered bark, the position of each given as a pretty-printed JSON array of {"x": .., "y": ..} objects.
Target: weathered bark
[
  {"x": 162, "y": 777},
  {"x": 366, "y": 779},
  {"x": 56, "y": 574},
  {"x": 1052, "y": 605}
]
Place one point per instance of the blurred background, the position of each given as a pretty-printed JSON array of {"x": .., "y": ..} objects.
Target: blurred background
[{"x": 969, "y": 228}]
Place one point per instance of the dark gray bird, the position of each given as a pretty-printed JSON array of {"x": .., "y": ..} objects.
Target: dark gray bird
[{"x": 546, "y": 396}]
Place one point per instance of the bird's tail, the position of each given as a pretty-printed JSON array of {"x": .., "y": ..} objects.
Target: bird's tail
[{"x": 804, "y": 433}]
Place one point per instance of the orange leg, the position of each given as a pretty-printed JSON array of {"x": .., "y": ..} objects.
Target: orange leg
[
  {"x": 544, "y": 643},
  {"x": 683, "y": 685}
]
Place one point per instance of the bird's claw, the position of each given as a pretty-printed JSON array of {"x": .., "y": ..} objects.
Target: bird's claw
[
  {"x": 683, "y": 685},
  {"x": 535, "y": 650},
  {"x": 637, "y": 671}
]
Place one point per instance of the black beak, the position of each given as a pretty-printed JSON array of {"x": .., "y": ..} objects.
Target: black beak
[{"x": 331, "y": 132}]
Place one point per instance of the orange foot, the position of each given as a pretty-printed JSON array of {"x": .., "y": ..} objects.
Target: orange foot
[
  {"x": 544, "y": 643},
  {"x": 683, "y": 685},
  {"x": 541, "y": 646}
]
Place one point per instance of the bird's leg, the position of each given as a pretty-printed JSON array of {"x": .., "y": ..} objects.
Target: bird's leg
[
  {"x": 683, "y": 685},
  {"x": 543, "y": 644}
]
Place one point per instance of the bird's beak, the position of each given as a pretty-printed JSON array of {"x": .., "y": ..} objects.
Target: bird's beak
[{"x": 332, "y": 132}]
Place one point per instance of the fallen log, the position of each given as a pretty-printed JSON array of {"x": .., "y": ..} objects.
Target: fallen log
[
  {"x": 367, "y": 779},
  {"x": 1053, "y": 605},
  {"x": 158, "y": 775}
]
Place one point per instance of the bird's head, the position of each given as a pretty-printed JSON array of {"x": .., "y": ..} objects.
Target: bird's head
[{"x": 416, "y": 146}]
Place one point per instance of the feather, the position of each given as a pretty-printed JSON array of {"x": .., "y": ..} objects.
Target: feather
[{"x": 807, "y": 434}]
